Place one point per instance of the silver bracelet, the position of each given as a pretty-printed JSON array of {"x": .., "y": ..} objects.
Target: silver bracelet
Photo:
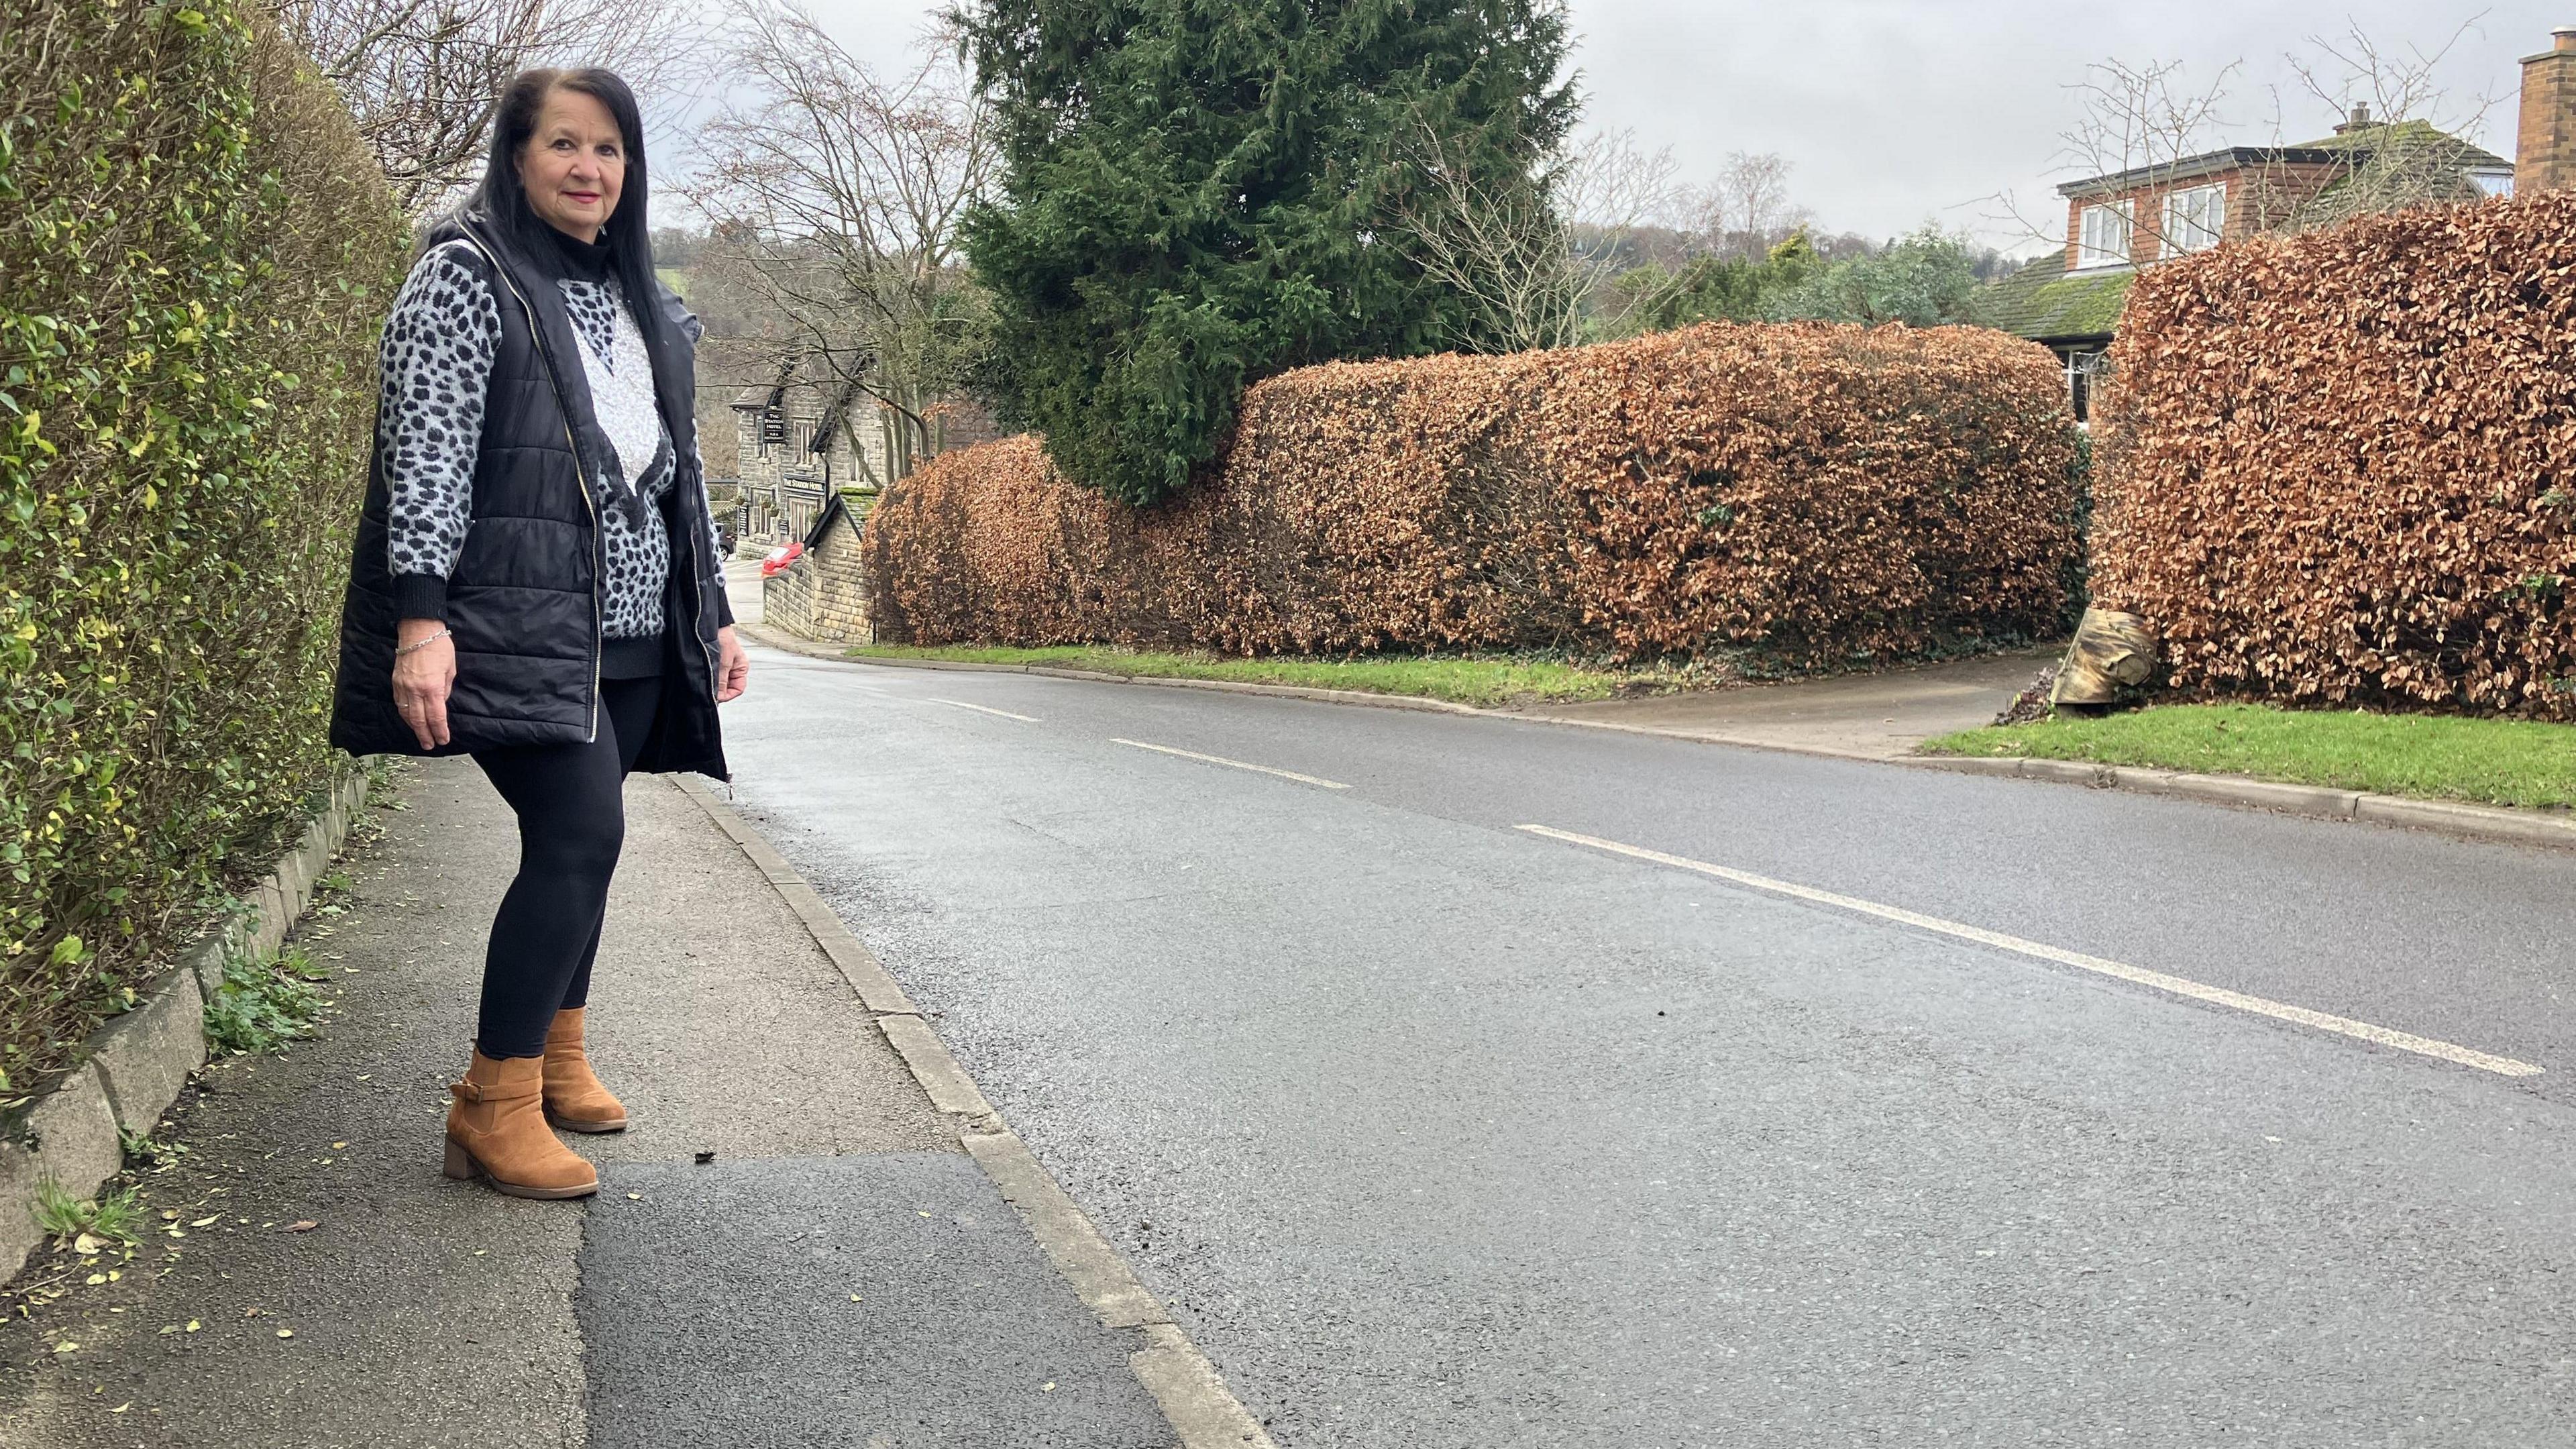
[{"x": 402, "y": 649}]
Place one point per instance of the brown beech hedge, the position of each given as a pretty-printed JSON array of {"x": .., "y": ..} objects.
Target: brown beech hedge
[
  {"x": 2341, "y": 468},
  {"x": 1823, "y": 493}
]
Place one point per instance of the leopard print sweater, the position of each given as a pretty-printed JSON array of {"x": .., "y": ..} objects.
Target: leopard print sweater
[{"x": 436, "y": 362}]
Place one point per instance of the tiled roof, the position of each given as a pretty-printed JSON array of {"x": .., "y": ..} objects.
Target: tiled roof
[
  {"x": 2399, "y": 164},
  {"x": 795, "y": 397},
  {"x": 2046, "y": 304},
  {"x": 2407, "y": 135},
  {"x": 2191, "y": 168},
  {"x": 2399, "y": 136}
]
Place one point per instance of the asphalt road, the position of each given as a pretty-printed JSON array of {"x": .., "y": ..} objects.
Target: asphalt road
[{"x": 1436, "y": 1131}]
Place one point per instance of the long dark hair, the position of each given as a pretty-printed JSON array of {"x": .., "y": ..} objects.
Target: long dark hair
[{"x": 504, "y": 200}]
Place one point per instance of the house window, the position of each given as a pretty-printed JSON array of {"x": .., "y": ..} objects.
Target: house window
[
  {"x": 2103, "y": 240},
  {"x": 2195, "y": 218}
]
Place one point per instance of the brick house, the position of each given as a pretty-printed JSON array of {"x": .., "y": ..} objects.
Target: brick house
[{"x": 2117, "y": 223}]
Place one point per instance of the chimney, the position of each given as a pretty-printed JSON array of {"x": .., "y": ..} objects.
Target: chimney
[
  {"x": 2545, "y": 144},
  {"x": 2360, "y": 119}
]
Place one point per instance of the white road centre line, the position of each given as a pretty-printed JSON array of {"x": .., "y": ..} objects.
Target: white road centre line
[
  {"x": 1231, "y": 764},
  {"x": 981, "y": 709},
  {"x": 2179, "y": 986}
]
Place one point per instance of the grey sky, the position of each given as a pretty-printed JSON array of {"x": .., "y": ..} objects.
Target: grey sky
[{"x": 1897, "y": 113}]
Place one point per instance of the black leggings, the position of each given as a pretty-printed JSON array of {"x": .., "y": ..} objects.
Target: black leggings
[{"x": 572, "y": 821}]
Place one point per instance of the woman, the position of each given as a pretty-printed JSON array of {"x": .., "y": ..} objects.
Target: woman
[{"x": 536, "y": 581}]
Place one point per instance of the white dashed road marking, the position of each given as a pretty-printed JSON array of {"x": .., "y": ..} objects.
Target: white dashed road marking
[
  {"x": 1231, "y": 764},
  {"x": 2179, "y": 986},
  {"x": 980, "y": 709}
]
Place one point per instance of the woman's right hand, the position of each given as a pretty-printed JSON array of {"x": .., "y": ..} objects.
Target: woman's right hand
[{"x": 422, "y": 678}]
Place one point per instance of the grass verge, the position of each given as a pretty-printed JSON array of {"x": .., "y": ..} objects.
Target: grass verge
[
  {"x": 1459, "y": 679},
  {"x": 2434, "y": 757}
]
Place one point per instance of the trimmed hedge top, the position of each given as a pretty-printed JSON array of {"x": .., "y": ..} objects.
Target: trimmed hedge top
[{"x": 1820, "y": 494}]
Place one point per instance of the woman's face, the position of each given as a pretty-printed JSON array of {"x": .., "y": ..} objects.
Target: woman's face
[{"x": 574, "y": 164}]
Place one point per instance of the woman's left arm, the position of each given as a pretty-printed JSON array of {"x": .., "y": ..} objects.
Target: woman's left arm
[
  {"x": 733, "y": 668},
  {"x": 731, "y": 663}
]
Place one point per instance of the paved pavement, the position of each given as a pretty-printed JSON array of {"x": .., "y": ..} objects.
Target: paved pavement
[
  {"x": 838, "y": 1273},
  {"x": 1436, "y": 1131},
  {"x": 743, "y": 591}
]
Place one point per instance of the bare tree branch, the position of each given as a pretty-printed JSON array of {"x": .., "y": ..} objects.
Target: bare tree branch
[
  {"x": 2398, "y": 143},
  {"x": 2394, "y": 85},
  {"x": 423, "y": 77},
  {"x": 2402, "y": 121},
  {"x": 837, "y": 195},
  {"x": 2132, "y": 118},
  {"x": 1532, "y": 252},
  {"x": 1747, "y": 211}
]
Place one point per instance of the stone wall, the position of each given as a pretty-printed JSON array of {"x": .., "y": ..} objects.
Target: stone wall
[{"x": 822, "y": 595}]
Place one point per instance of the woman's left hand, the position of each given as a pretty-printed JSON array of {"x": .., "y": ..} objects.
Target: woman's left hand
[{"x": 733, "y": 667}]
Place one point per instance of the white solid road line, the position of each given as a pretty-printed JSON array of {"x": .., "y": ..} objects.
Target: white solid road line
[
  {"x": 981, "y": 709},
  {"x": 1232, "y": 764},
  {"x": 2179, "y": 986}
]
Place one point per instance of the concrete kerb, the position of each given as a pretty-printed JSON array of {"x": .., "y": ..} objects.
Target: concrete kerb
[
  {"x": 69, "y": 1138},
  {"x": 1193, "y": 1397},
  {"x": 204, "y": 962},
  {"x": 1185, "y": 1386},
  {"x": 131, "y": 1068},
  {"x": 144, "y": 1057},
  {"x": 2482, "y": 821},
  {"x": 2473, "y": 822}
]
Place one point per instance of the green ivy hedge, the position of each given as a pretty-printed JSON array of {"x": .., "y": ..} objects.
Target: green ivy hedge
[{"x": 195, "y": 253}]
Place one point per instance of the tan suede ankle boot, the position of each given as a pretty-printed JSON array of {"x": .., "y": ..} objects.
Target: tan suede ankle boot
[
  {"x": 575, "y": 1101},
  {"x": 496, "y": 1129}
]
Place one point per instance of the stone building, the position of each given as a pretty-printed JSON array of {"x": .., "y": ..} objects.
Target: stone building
[
  {"x": 801, "y": 443},
  {"x": 824, "y": 594},
  {"x": 812, "y": 459}
]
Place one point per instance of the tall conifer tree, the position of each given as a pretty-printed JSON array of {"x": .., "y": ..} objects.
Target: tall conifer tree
[{"x": 1197, "y": 194}]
